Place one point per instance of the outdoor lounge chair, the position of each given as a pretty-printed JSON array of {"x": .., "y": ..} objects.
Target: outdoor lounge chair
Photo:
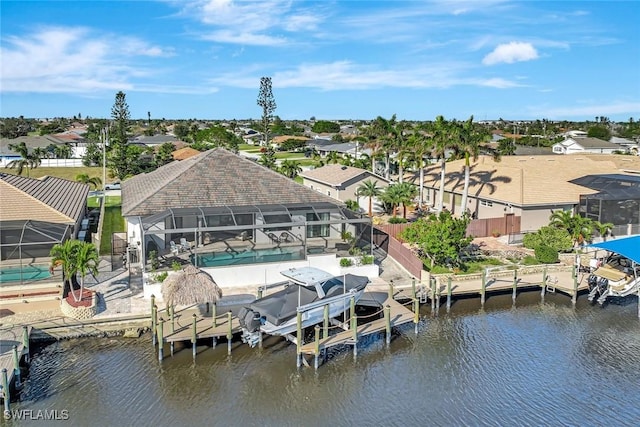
[
  {"x": 184, "y": 245},
  {"x": 273, "y": 237},
  {"x": 175, "y": 250}
]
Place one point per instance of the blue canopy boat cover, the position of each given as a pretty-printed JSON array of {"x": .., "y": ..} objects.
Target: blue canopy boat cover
[{"x": 628, "y": 247}]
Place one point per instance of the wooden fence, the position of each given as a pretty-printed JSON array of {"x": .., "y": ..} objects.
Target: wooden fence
[
  {"x": 386, "y": 237},
  {"x": 508, "y": 224}
]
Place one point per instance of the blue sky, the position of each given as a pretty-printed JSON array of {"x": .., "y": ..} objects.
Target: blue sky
[{"x": 492, "y": 59}]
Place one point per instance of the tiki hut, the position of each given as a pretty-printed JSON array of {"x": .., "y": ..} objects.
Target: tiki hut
[{"x": 190, "y": 286}]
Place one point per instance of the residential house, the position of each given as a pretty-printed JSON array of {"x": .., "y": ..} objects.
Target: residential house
[
  {"x": 240, "y": 221},
  {"x": 184, "y": 153},
  {"x": 582, "y": 145},
  {"x": 35, "y": 214},
  {"x": 529, "y": 187},
  {"x": 32, "y": 142},
  {"x": 342, "y": 182}
]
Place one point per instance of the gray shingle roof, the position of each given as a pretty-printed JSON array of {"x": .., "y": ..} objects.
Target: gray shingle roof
[
  {"x": 214, "y": 178},
  {"x": 594, "y": 143},
  {"x": 67, "y": 197},
  {"x": 334, "y": 175}
]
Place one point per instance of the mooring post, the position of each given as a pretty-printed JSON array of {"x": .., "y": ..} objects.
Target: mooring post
[
  {"x": 214, "y": 320},
  {"x": 171, "y": 347},
  {"x": 208, "y": 308},
  {"x": 515, "y": 285},
  {"x": 298, "y": 340},
  {"x": 172, "y": 314},
  {"x": 391, "y": 289},
  {"x": 574, "y": 297},
  {"x": 413, "y": 287},
  {"x": 194, "y": 334},
  {"x": 259, "y": 292},
  {"x": 387, "y": 322},
  {"x": 154, "y": 323},
  {"x": 438, "y": 293},
  {"x": 25, "y": 343},
  {"x": 416, "y": 313},
  {"x": 325, "y": 322},
  {"x": 317, "y": 346},
  {"x": 432, "y": 289},
  {"x": 352, "y": 309},
  {"x": 16, "y": 365},
  {"x": 229, "y": 332},
  {"x": 354, "y": 328},
  {"x": 483, "y": 289},
  {"x": 448, "y": 293},
  {"x": 5, "y": 391},
  {"x": 153, "y": 303},
  {"x": 160, "y": 339},
  {"x": 544, "y": 282}
]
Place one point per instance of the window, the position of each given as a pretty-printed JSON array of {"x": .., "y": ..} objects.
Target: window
[
  {"x": 486, "y": 203},
  {"x": 318, "y": 230}
]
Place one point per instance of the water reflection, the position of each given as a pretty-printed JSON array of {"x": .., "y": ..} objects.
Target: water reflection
[{"x": 540, "y": 363}]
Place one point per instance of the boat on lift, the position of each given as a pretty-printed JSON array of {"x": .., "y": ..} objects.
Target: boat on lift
[
  {"x": 619, "y": 275},
  {"x": 307, "y": 290}
]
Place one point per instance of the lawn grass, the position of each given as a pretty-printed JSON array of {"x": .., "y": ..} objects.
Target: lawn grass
[
  {"x": 249, "y": 148},
  {"x": 113, "y": 222},
  {"x": 65, "y": 173},
  {"x": 290, "y": 155},
  {"x": 93, "y": 202}
]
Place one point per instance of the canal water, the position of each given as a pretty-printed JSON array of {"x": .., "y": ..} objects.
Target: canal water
[{"x": 540, "y": 363}]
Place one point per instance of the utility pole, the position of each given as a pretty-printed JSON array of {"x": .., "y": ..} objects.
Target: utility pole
[{"x": 105, "y": 136}]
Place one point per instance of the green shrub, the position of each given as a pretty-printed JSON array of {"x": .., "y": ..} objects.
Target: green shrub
[
  {"x": 556, "y": 238},
  {"x": 160, "y": 276},
  {"x": 366, "y": 259},
  {"x": 529, "y": 260},
  {"x": 155, "y": 262},
  {"x": 546, "y": 254},
  {"x": 346, "y": 262},
  {"x": 438, "y": 269},
  {"x": 397, "y": 220},
  {"x": 176, "y": 266}
]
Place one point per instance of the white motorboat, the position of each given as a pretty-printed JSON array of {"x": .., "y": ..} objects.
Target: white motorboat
[
  {"x": 619, "y": 275},
  {"x": 307, "y": 291}
]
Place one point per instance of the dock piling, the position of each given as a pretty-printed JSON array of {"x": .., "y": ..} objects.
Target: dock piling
[
  {"x": 483, "y": 289},
  {"x": 259, "y": 292},
  {"x": 448, "y": 293},
  {"x": 432, "y": 288},
  {"x": 154, "y": 322},
  {"x": 317, "y": 348},
  {"x": 413, "y": 287},
  {"x": 214, "y": 320},
  {"x": 5, "y": 391},
  {"x": 354, "y": 328},
  {"x": 160, "y": 329},
  {"x": 299, "y": 340},
  {"x": 387, "y": 321},
  {"x": 172, "y": 313},
  {"x": 194, "y": 334},
  {"x": 16, "y": 365},
  {"x": 25, "y": 343},
  {"x": 416, "y": 312},
  {"x": 325, "y": 322},
  {"x": 574, "y": 297},
  {"x": 391, "y": 289},
  {"x": 544, "y": 282},
  {"x": 229, "y": 332},
  {"x": 515, "y": 286}
]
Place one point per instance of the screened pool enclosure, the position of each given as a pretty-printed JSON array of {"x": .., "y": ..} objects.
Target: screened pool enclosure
[{"x": 237, "y": 235}]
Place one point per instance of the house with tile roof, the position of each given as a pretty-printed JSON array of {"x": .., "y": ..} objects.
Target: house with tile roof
[
  {"x": 529, "y": 187},
  {"x": 35, "y": 214},
  {"x": 184, "y": 153},
  {"x": 223, "y": 212},
  {"x": 341, "y": 183},
  {"x": 582, "y": 145}
]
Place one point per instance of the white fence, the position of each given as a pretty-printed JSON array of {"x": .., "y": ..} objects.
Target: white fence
[{"x": 50, "y": 163}]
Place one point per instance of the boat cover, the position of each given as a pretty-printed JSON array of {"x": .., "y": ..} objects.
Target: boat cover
[{"x": 629, "y": 247}]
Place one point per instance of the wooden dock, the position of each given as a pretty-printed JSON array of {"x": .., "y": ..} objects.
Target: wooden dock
[{"x": 14, "y": 346}]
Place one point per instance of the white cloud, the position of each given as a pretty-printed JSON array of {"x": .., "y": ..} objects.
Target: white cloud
[
  {"x": 510, "y": 53},
  {"x": 592, "y": 110},
  {"x": 347, "y": 75},
  {"x": 73, "y": 60}
]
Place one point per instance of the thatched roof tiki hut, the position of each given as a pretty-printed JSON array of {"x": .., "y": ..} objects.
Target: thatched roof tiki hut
[{"x": 190, "y": 286}]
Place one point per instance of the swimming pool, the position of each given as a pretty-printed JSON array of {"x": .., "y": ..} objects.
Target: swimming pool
[
  {"x": 255, "y": 256},
  {"x": 29, "y": 273}
]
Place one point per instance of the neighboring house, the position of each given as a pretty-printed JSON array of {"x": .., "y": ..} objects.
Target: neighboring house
[
  {"x": 155, "y": 140},
  {"x": 626, "y": 145},
  {"x": 185, "y": 153},
  {"x": 32, "y": 142},
  {"x": 35, "y": 214},
  {"x": 342, "y": 182},
  {"x": 531, "y": 187},
  {"x": 324, "y": 147},
  {"x": 244, "y": 222},
  {"x": 575, "y": 145}
]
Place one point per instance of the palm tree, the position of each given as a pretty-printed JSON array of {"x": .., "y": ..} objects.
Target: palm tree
[
  {"x": 87, "y": 261},
  {"x": 579, "y": 228},
  {"x": 407, "y": 192},
  {"x": 333, "y": 158},
  {"x": 392, "y": 196},
  {"x": 63, "y": 254},
  {"x": 369, "y": 189},
  {"x": 26, "y": 160},
  {"x": 290, "y": 168},
  {"x": 603, "y": 229},
  {"x": 90, "y": 180},
  {"x": 468, "y": 145},
  {"x": 442, "y": 132},
  {"x": 418, "y": 144}
]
